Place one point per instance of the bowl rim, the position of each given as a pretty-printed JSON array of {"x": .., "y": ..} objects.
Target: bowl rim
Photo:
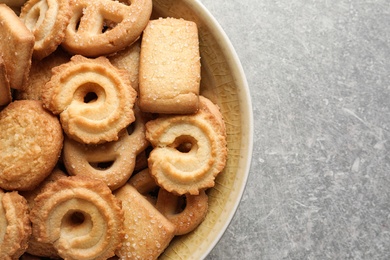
[{"x": 240, "y": 76}]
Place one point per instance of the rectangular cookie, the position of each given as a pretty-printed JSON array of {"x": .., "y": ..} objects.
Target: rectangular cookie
[
  {"x": 147, "y": 231},
  {"x": 16, "y": 45},
  {"x": 169, "y": 73}
]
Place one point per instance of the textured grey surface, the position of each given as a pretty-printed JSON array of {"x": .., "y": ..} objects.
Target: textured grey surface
[{"x": 319, "y": 76}]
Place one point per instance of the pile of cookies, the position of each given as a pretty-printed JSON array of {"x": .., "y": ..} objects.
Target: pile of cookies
[{"x": 107, "y": 147}]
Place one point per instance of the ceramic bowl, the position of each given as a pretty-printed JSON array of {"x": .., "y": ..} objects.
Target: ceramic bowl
[{"x": 223, "y": 81}]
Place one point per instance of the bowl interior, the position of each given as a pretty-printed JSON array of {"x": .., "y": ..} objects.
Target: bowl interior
[{"x": 223, "y": 81}]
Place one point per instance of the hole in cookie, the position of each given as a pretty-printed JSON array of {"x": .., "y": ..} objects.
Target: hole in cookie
[
  {"x": 130, "y": 128},
  {"x": 90, "y": 97},
  {"x": 181, "y": 204},
  {"x": 89, "y": 92},
  {"x": 102, "y": 165},
  {"x": 185, "y": 144},
  {"x": 74, "y": 219},
  {"x": 108, "y": 25}
]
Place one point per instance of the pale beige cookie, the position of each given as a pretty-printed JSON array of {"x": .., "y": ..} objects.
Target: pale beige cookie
[
  {"x": 103, "y": 27},
  {"x": 93, "y": 98},
  {"x": 111, "y": 162},
  {"x": 15, "y": 226},
  {"x": 5, "y": 90},
  {"x": 80, "y": 217},
  {"x": 47, "y": 19},
  {"x": 16, "y": 44},
  {"x": 128, "y": 59},
  {"x": 40, "y": 74},
  {"x": 189, "y": 151},
  {"x": 169, "y": 79},
  {"x": 31, "y": 142},
  {"x": 147, "y": 231}
]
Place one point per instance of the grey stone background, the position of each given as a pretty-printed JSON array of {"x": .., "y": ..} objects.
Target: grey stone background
[{"x": 319, "y": 76}]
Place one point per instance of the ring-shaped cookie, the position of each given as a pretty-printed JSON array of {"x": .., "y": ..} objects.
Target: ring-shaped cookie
[
  {"x": 101, "y": 27},
  {"x": 80, "y": 217},
  {"x": 93, "y": 98},
  {"x": 47, "y": 19},
  {"x": 189, "y": 151},
  {"x": 111, "y": 162},
  {"x": 15, "y": 226},
  {"x": 187, "y": 219}
]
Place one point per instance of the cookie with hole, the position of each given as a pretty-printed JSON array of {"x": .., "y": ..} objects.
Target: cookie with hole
[
  {"x": 81, "y": 218},
  {"x": 93, "y": 98},
  {"x": 103, "y": 27},
  {"x": 112, "y": 162},
  {"x": 47, "y": 20},
  {"x": 189, "y": 151}
]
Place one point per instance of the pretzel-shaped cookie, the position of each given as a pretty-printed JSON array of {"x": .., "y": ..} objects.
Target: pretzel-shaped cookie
[
  {"x": 112, "y": 162},
  {"x": 47, "y": 19},
  {"x": 101, "y": 27},
  {"x": 187, "y": 219},
  {"x": 93, "y": 98},
  {"x": 189, "y": 150}
]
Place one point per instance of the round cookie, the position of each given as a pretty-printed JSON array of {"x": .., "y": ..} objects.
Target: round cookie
[{"x": 31, "y": 140}]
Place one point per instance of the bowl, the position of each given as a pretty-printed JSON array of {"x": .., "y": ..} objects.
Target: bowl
[{"x": 223, "y": 81}]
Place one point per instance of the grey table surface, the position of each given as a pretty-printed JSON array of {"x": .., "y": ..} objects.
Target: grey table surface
[{"x": 319, "y": 77}]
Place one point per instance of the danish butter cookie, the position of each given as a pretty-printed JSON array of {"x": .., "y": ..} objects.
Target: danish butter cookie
[
  {"x": 17, "y": 45},
  {"x": 31, "y": 141},
  {"x": 93, "y": 98},
  {"x": 169, "y": 70},
  {"x": 147, "y": 231},
  {"x": 189, "y": 151},
  {"x": 15, "y": 226},
  {"x": 111, "y": 162},
  {"x": 102, "y": 27},
  {"x": 47, "y": 19},
  {"x": 80, "y": 217}
]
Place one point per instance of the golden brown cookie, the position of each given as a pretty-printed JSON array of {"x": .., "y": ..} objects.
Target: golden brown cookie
[
  {"x": 189, "y": 151},
  {"x": 17, "y": 44},
  {"x": 31, "y": 141},
  {"x": 80, "y": 217},
  {"x": 186, "y": 212},
  {"x": 147, "y": 231},
  {"x": 93, "y": 98},
  {"x": 15, "y": 226},
  {"x": 111, "y": 162},
  {"x": 47, "y": 20},
  {"x": 102, "y": 27},
  {"x": 128, "y": 59},
  {"x": 169, "y": 71}
]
